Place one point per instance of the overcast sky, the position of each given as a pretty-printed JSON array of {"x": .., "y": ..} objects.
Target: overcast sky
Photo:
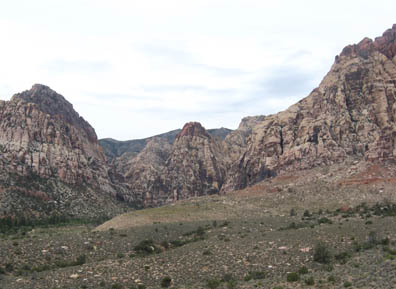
[{"x": 133, "y": 69}]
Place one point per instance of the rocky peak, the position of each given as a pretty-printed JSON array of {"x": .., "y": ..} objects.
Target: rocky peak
[
  {"x": 350, "y": 115},
  {"x": 193, "y": 129},
  {"x": 52, "y": 103},
  {"x": 385, "y": 44}
]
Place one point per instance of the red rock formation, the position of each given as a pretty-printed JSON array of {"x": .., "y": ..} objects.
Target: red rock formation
[
  {"x": 192, "y": 129},
  {"x": 351, "y": 114},
  {"x": 42, "y": 140}
]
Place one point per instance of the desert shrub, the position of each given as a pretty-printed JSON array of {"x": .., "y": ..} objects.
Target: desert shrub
[
  {"x": 255, "y": 275},
  {"x": 200, "y": 231},
  {"x": 327, "y": 267},
  {"x": 231, "y": 284},
  {"x": 309, "y": 281},
  {"x": 307, "y": 214},
  {"x": 120, "y": 255},
  {"x": 166, "y": 282},
  {"x": 141, "y": 286},
  {"x": 207, "y": 253},
  {"x": 331, "y": 278},
  {"x": 303, "y": 270},
  {"x": 213, "y": 283},
  {"x": 292, "y": 277},
  {"x": 177, "y": 243},
  {"x": 227, "y": 277},
  {"x": 116, "y": 286},
  {"x": 324, "y": 220},
  {"x": 80, "y": 260},
  {"x": 347, "y": 284},
  {"x": 322, "y": 254},
  {"x": 342, "y": 257},
  {"x": 165, "y": 244},
  {"x": 2, "y": 270},
  {"x": 385, "y": 241},
  {"x": 389, "y": 250},
  {"x": 146, "y": 247},
  {"x": 9, "y": 267},
  {"x": 225, "y": 224}
]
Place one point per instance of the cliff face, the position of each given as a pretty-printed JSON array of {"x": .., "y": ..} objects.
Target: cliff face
[
  {"x": 43, "y": 140},
  {"x": 164, "y": 172},
  {"x": 195, "y": 166},
  {"x": 351, "y": 114}
]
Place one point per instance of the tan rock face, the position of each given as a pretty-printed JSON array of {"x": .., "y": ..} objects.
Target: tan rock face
[
  {"x": 41, "y": 136},
  {"x": 350, "y": 114},
  {"x": 195, "y": 166},
  {"x": 164, "y": 172},
  {"x": 41, "y": 133}
]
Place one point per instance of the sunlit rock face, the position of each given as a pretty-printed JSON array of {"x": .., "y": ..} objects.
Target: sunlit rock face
[{"x": 351, "y": 114}]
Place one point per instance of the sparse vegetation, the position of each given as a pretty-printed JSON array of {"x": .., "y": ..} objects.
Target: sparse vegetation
[
  {"x": 161, "y": 246},
  {"x": 322, "y": 253},
  {"x": 292, "y": 277},
  {"x": 166, "y": 282}
]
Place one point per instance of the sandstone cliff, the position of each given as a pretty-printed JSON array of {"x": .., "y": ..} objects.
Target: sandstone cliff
[
  {"x": 351, "y": 114},
  {"x": 169, "y": 169},
  {"x": 50, "y": 158}
]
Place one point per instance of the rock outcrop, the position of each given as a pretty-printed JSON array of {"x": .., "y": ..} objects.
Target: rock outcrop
[
  {"x": 351, "y": 114},
  {"x": 49, "y": 153},
  {"x": 195, "y": 166},
  {"x": 167, "y": 170}
]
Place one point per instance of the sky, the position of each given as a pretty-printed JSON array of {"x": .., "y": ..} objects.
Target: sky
[{"x": 134, "y": 69}]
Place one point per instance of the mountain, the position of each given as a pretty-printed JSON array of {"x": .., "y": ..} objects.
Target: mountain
[
  {"x": 114, "y": 148},
  {"x": 51, "y": 161},
  {"x": 172, "y": 167},
  {"x": 350, "y": 115}
]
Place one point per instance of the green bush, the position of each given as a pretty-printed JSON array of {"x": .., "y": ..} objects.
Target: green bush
[
  {"x": 166, "y": 282},
  {"x": 324, "y": 220},
  {"x": 213, "y": 283},
  {"x": 331, "y": 278},
  {"x": 146, "y": 247},
  {"x": 342, "y": 257},
  {"x": 309, "y": 281},
  {"x": 80, "y": 260},
  {"x": 292, "y": 277},
  {"x": 347, "y": 284},
  {"x": 322, "y": 254},
  {"x": 303, "y": 270},
  {"x": 255, "y": 275}
]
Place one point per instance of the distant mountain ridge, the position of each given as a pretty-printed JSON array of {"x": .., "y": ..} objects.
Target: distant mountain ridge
[{"x": 115, "y": 148}]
